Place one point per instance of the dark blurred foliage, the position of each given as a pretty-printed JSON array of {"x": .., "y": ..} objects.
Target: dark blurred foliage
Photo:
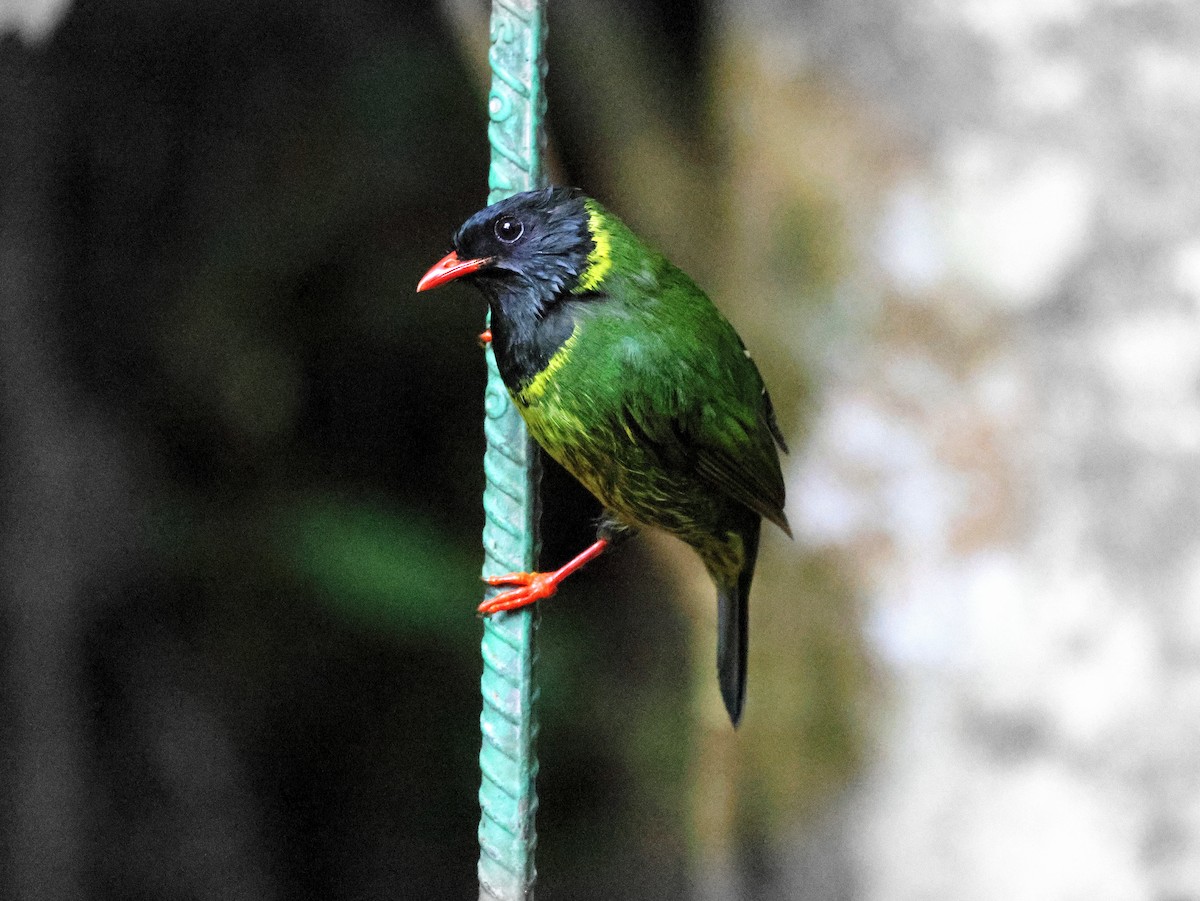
[{"x": 241, "y": 469}]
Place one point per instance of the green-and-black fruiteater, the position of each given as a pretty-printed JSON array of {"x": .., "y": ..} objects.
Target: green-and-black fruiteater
[{"x": 627, "y": 375}]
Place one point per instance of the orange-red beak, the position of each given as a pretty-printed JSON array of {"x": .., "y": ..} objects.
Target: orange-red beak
[{"x": 448, "y": 268}]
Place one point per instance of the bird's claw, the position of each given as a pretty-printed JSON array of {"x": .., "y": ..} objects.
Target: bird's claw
[
  {"x": 485, "y": 337},
  {"x": 529, "y": 588}
]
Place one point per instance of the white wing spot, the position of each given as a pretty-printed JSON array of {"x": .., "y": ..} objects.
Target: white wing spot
[{"x": 746, "y": 352}]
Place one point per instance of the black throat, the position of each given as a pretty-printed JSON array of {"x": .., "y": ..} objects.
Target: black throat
[{"x": 526, "y": 332}]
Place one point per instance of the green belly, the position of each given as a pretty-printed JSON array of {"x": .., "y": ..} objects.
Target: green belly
[{"x": 628, "y": 479}]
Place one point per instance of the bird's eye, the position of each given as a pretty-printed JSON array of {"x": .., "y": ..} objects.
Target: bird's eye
[{"x": 509, "y": 229}]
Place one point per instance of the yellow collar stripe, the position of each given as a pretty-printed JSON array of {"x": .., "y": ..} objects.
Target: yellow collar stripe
[
  {"x": 600, "y": 257},
  {"x": 539, "y": 383}
]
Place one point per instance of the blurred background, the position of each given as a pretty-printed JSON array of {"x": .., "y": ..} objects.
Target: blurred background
[{"x": 241, "y": 460}]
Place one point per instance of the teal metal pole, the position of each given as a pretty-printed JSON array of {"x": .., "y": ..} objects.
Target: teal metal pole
[{"x": 508, "y": 757}]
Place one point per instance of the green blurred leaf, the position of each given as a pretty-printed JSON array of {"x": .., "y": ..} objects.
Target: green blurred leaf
[{"x": 379, "y": 566}]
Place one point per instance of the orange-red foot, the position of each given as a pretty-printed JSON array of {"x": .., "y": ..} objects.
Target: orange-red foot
[
  {"x": 531, "y": 587},
  {"x": 485, "y": 337}
]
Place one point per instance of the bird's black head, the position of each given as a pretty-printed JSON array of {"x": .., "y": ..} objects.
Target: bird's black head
[{"x": 529, "y": 249}]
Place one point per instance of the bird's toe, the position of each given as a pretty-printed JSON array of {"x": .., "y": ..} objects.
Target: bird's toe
[{"x": 517, "y": 579}]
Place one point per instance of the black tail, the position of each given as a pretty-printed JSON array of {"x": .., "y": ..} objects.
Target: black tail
[{"x": 733, "y": 628}]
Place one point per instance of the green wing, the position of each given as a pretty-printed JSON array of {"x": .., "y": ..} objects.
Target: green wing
[
  {"x": 746, "y": 468},
  {"x": 712, "y": 413}
]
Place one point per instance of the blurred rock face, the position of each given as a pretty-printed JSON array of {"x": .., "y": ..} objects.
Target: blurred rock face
[{"x": 1011, "y": 459}]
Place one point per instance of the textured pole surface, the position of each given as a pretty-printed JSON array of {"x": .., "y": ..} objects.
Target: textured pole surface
[{"x": 508, "y": 758}]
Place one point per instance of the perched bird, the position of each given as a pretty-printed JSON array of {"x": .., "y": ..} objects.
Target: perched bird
[{"x": 628, "y": 376}]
